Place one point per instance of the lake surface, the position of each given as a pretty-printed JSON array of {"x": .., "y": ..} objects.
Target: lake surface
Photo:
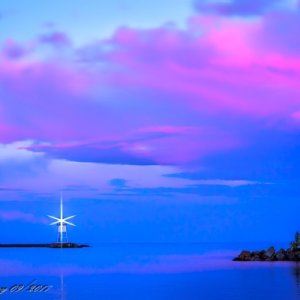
[{"x": 145, "y": 271}]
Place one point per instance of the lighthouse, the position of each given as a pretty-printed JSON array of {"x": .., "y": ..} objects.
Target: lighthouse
[{"x": 61, "y": 222}]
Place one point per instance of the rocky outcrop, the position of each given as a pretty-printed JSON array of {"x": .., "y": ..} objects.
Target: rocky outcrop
[{"x": 269, "y": 255}]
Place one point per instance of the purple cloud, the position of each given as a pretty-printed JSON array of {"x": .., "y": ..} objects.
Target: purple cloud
[
  {"x": 238, "y": 7},
  {"x": 147, "y": 146},
  {"x": 118, "y": 183},
  {"x": 141, "y": 93},
  {"x": 275, "y": 29},
  {"x": 57, "y": 39},
  {"x": 12, "y": 50}
]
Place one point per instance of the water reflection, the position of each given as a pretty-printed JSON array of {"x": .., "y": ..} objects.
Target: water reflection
[
  {"x": 148, "y": 272},
  {"x": 296, "y": 273},
  {"x": 62, "y": 290}
]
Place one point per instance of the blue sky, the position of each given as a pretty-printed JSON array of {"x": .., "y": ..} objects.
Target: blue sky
[{"x": 87, "y": 21}]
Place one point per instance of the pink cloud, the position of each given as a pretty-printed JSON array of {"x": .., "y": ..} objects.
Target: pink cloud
[
  {"x": 296, "y": 115},
  {"x": 25, "y": 76},
  {"x": 56, "y": 104},
  {"x": 179, "y": 86},
  {"x": 41, "y": 100},
  {"x": 213, "y": 66},
  {"x": 168, "y": 129}
]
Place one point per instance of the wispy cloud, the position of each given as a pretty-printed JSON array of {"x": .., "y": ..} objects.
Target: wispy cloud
[
  {"x": 56, "y": 39},
  {"x": 241, "y": 7},
  {"x": 15, "y": 215}
]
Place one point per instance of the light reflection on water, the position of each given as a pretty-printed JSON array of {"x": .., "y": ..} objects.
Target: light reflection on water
[
  {"x": 296, "y": 273},
  {"x": 148, "y": 271}
]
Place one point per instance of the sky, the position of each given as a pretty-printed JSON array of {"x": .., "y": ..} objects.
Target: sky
[{"x": 173, "y": 121}]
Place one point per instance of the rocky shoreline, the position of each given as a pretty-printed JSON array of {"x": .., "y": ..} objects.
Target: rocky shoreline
[{"x": 269, "y": 255}]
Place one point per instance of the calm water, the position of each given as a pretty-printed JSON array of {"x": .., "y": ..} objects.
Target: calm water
[{"x": 145, "y": 271}]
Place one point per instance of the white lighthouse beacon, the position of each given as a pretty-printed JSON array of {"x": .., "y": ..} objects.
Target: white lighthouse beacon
[{"x": 62, "y": 223}]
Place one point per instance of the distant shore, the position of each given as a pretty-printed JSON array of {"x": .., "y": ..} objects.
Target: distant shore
[
  {"x": 290, "y": 254},
  {"x": 50, "y": 245},
  {"x": 269, "y": 255}
]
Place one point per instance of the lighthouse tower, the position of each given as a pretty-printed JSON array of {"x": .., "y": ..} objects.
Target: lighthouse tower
[{"x": 62, "y": 223}]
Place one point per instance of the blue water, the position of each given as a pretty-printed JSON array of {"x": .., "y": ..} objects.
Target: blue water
[{"x": 145, "y": 271}]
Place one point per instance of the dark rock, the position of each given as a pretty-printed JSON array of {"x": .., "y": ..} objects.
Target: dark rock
[
  {"x": 280, "y": 255},
  {"x": 297, "y": 256},
  {"x": 290, "y": 254},
  {"x": 244, "y": 255},
  {"x": 256, "y": 258},
  {"x": 269, "y": 255},
  {"x": 262, "y": 254},
  {"x": 270, "y": 252}
]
